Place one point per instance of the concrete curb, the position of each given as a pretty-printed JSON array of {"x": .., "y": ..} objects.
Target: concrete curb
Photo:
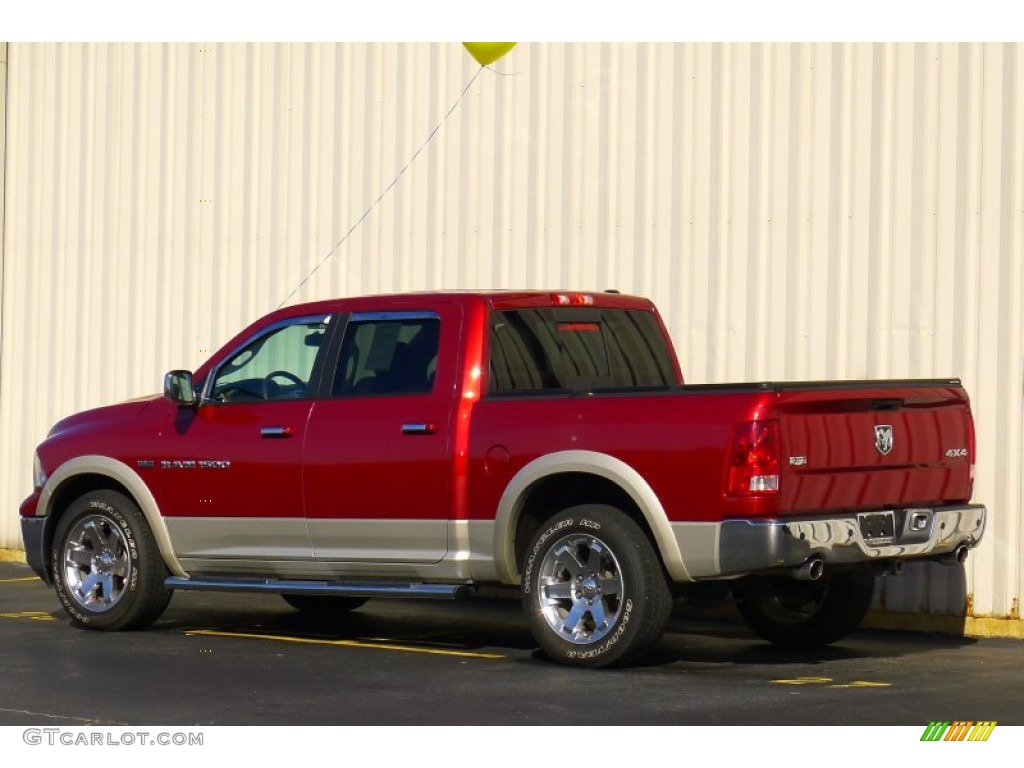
[
  {"x": 12, "y": 556},
  {"x": 962, "y": 626}
]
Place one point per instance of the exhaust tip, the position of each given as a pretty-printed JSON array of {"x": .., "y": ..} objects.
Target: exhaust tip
[
  {"x": 816, "y": 569},
  {"x": 958, "y": 556},
  {"x": 812, "y": 569}
]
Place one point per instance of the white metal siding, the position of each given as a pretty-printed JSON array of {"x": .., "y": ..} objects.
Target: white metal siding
[
  {"x": 796, "y": 210},
  {"x": 3, "y": 176}
]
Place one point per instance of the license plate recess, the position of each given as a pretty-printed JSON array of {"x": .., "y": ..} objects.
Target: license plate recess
[{"x": 877, "y": 527}]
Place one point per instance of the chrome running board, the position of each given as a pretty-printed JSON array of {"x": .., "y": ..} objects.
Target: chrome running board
[{"x": 348, "y": 589}]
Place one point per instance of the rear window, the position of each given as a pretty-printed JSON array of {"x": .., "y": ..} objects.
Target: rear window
[{"x": 577, "y": 348}]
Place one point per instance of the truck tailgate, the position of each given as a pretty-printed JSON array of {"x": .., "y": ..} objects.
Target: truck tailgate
[{"x": 874, "y": 445}]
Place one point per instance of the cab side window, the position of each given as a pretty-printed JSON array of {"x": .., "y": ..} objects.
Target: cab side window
[
  {"x": 276, "y": 365},
  {"x": 388, "y": 355}
]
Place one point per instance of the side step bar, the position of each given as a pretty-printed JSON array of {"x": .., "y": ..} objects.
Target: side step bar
[{"x": 348, "y": 589}]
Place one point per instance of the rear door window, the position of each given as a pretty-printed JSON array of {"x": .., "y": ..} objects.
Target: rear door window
[{"x": 388, "y": 354}]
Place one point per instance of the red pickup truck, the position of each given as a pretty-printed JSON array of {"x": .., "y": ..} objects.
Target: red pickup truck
[{"x": 423, "y": 445}]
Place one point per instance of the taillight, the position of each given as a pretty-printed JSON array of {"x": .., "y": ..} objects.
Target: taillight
[
  {"x": 753, "y": 463},
  {"x": 971, "y": 456}
]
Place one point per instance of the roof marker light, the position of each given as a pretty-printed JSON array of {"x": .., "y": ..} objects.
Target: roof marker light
[{"x": 572, "y": 299}]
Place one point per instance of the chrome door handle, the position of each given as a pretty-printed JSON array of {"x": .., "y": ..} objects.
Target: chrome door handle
[
  {"x": 419, "y": 428},
  {"x": 277, "y": 432}
]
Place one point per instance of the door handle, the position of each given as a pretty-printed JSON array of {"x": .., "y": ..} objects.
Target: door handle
[
  {"x": 419, "y": 428},
  {"x": 277, "y": 432}
]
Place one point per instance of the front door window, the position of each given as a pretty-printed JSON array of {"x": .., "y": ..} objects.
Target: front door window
[{"x": 277, "y": 365}]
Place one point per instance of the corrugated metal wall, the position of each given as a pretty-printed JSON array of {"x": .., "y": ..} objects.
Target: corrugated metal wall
[
  {"x": 3, "y": 176},
  {"x": 797, "y": 211}
]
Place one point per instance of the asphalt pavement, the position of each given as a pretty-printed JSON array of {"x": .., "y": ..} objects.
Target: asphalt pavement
[{"x": 218, "y": 659}]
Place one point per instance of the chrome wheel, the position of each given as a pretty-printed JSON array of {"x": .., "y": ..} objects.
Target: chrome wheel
[
  {"x": 107, "y": 568},
  {"x": 593, "y": 588},
  {"x": 580, "y": 588},
  {"x": 96, "y": 563}
]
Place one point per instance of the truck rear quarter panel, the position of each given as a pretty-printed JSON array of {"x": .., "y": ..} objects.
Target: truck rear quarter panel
[{"x": 676, "y": 441}]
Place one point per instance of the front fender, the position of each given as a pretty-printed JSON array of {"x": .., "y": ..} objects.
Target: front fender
[{"x": 118, "y": 471}]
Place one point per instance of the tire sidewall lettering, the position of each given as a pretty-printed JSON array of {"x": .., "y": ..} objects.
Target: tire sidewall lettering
[
  {"x": 608, "y": 644},
  {"x": 527, "y": 579}
]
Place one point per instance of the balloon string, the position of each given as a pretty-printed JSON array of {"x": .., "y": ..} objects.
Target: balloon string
[{"x": 387, "y": 189}]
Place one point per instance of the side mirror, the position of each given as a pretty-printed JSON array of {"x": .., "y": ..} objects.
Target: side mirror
[{"x": 178, "y": 387}]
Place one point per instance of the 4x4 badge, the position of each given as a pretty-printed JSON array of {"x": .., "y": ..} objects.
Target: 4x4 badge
[{"x": 883, "y": 439}]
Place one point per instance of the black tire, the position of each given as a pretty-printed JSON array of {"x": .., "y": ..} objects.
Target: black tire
[
  {"x": 324, "y": 605},
  {"x": 593, "y": 588},
  {"x": 107, "y": 569},
  {"x": 805, "y": 614}
]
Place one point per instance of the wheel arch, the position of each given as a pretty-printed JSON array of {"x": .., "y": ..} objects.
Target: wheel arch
[
  {"x": 88, "y": 473},
  {"x": 566, "y": 478}
]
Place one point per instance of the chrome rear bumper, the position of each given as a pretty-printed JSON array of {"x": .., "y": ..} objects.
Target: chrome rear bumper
[{"x": 927, "y": 533}]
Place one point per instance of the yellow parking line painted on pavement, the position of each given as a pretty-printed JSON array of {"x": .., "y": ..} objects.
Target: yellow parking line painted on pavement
[
  {"x": 828, "y": 681},
  {"x": 21, "y": 578},
  {"x": 348, "y": 644},
  {"x": 34, "y": 615},
  {"x": 804, "y": 681}
]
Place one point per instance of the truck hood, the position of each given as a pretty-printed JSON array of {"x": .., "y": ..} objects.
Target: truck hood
[{"x": 108, "y": 416}]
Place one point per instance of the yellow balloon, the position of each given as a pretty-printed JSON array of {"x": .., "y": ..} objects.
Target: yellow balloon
[{"x": 488, "y": 53}]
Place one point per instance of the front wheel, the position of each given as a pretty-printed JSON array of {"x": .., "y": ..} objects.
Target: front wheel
[
  {"x": 108, "y": 573},
  {"x": 802, "y": 614},
  {"x": 593, "y": 588}
]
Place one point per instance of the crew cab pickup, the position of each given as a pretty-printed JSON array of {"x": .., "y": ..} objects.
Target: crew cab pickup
[{"x": 425, "y": 445}]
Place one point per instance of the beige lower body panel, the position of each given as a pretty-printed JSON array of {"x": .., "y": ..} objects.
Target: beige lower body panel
[
  {"x": 231, "y": 538},
  {"x": 441, "y": 551},
  {"x": 379, "y": 541},
  {"x": 698, "y": 547}
]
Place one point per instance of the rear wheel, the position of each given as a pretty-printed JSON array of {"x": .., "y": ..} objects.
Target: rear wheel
[
  {"x": 593, "y": 588},
  {"x": 795, "y": 613},
  {"x": 323, "y": 605},
  {"x": 107, "y": 568}
]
